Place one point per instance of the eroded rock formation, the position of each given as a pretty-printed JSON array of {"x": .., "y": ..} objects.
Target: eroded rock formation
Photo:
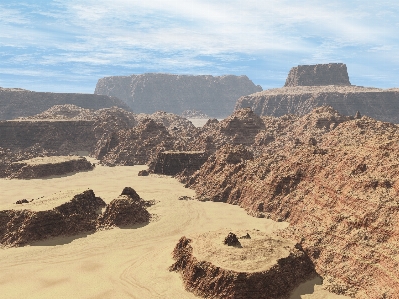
[
  {"x": 312, "y": 86},
  {"x": 148, "y": 93}
]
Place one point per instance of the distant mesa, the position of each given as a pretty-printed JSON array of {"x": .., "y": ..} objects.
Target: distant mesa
[
  {"x": 148, "y": 93},
  {"x": 310, "y": 86},
  {"x": 318, "y": 75}
]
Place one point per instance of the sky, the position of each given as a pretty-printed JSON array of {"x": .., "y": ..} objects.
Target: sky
[{"x": 67, "y": 45}]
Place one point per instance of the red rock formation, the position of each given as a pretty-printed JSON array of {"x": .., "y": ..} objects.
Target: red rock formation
[{"x": 338, "y": 191}]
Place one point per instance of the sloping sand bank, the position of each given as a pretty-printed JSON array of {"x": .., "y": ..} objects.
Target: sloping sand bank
[{"x": 117, "y": 263}]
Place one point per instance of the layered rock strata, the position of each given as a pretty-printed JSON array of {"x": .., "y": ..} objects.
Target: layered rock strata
[
  {"x": 335, "y": 179},
  {"x": 46, "y": 166},
  {"x": 147, "y": 93},
  {"x": 305, "y": 90},
  {"x": 16, "y": 102},
  {"x": 173, "y": 162},
  {"x": 220, "y": 271}
]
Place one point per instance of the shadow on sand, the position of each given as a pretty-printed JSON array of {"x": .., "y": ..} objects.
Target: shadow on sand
[
  {"x": 62, "y": 240},
  {"x": 306, "y": 287}
]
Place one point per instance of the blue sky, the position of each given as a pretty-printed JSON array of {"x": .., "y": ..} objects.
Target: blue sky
[{"x": 67, "y": 45}]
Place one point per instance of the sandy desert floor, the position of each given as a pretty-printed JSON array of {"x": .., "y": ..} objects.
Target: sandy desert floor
[{"x": 117, "y": 263}]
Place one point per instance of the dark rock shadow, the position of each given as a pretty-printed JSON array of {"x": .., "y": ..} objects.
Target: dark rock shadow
[
  {"x": 60, "y": 240},
  {"x": 134, "y": 226},
  {"x": 306, "y": 287}
]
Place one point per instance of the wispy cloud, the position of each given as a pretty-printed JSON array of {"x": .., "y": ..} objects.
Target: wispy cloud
[{"x": 262, "y": 39}]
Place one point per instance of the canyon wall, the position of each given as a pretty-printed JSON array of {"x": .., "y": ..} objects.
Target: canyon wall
[
  {"x": 62, "y": 136},
  {"x": 15, "y": 102},
  {"x": 148, "y": 93}
]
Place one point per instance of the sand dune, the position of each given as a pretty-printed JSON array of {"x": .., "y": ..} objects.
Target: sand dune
[{"x": 118, "y": 263}]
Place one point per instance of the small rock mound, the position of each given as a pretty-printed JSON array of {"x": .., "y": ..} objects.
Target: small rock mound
[
  {"x": 127, "y": 209},
  {"x": 143, "y": 173},
  {"x": 231, "y": 240}
]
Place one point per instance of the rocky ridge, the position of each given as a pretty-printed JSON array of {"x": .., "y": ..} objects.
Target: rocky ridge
[
  {"x": 148, "y": 93},
  {"x": 334, "y": 179}
]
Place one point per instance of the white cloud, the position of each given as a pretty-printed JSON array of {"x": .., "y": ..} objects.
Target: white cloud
[{"x": 197, "y": 35}]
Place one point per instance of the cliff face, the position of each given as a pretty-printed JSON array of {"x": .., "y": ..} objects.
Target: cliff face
[
  {"x": 337, "y": 185},
  {"x": 308, "y": 87},
  {"x": 20, "y": 103},
  {"x": 148, "y": 93}
]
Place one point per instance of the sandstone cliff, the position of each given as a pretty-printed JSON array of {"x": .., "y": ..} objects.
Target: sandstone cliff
[
  {"x": 148, "y": 93},
  {"x": 308, "y": 87},
  {"x": 335, "y": 179},
  {"x": 19, "y": 102}
]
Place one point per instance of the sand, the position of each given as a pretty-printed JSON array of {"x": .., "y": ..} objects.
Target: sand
[{"x": 117, "y": 263}]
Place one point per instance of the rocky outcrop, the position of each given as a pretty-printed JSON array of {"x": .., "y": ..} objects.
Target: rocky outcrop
[
  {"x": 332, "y": 88},
  {"x": 46, "y": 166},
  {"x": 147, "y": 93},
  {"x": 173, "y": 162},
  {"x": 20, "y": 227},
  {"x": 127, "y": 209},
  {"x": 83, "y": 213},
  {"x": 335, "y": 179},
  {"x": 274, "y": 281},
  {"x": 240, "y": 128},
  {"x": 317, "y": 75},
  {"x": 139, "y": 145},
  {"x": 15, "y": 102}
]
